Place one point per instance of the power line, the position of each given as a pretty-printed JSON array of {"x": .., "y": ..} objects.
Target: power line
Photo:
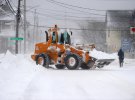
[
  {"x": 60, "y": 11},
  {"x": 13, "y": 4},
  {"x": 74, "y": 6},
  {"x": 10, "y": 7},
  {"x": 120, "y": 29},
  {"x": 69, "y": 16},
  {"x": 69, "y": 19},
  {"x": 64, "y": 5},
  {"x": 76, "y": 9},
  {"x": 9, "y": 15},
  {"x": 55, "y": 16},
  {"x": 63, "y": 18}
]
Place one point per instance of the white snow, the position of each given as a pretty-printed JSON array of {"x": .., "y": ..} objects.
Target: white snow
[
  {"x": 22, "y": 79},
  {"x": 102, "y": 55}
]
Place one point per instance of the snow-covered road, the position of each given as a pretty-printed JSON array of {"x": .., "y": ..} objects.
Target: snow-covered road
[{"x": 21, "y": 79}]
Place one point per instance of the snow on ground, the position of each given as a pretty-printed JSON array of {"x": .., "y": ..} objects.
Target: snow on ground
[
  {"x": 15, "y": 74},
  {"x": 21, "y": 79},
  {"x": 1, "y": 56}
]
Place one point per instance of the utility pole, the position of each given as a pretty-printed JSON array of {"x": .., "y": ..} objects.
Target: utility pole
[
  {"x": 37, "y": 35},
  {"x": 17, "y": 26},
  {"x": 34, "y": 30},
  {"x": 24, "y": 26},
  {"x": 65, "y": 17},
  {"x": 106, "y": 31}
]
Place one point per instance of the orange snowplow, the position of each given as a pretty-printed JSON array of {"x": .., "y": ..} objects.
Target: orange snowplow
[{"x": 57, "y": 50}]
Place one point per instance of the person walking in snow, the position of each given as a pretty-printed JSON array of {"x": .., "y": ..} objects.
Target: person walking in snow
[{"x": 121, "y": 57}]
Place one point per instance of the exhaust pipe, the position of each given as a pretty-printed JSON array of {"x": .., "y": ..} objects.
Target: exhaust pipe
[{"x": 46, "y": 36}]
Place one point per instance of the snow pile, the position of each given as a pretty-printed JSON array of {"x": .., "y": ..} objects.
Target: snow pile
[
  {"x": 7, "y": 60},
  {"x": 102, "y": 55},
  {"x": 1, "y": 57},
  {"x": 16, "y": 72}
]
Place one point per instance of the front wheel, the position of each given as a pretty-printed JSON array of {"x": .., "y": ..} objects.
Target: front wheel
[
  {"x": 72, "y": 61},
  {"x": 84, "y": 66},
  {"x": 43, "y": 60},
  {"x": 89, "y": 65}
]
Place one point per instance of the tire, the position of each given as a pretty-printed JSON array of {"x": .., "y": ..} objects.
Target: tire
[
  {"x": 43, "y": 60},
  {"x": 100, "y": 66},
  {"x": 72, "y": 61},
  {"x": 107, "y": 63},
  {"x": 60, "y": 66},
  {"x": 84, "y": 66},
  {"x": 89, "y": 65}
]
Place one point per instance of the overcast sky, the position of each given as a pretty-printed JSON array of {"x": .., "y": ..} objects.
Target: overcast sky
[{"x": 52, "y": 13}]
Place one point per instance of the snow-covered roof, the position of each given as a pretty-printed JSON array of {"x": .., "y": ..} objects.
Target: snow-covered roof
[
  {"x": 7, "y": 33},
  {"x": 9, "y": 18}
]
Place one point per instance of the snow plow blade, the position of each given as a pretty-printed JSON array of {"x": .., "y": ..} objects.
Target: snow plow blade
[{"x": 100, "y": 63}]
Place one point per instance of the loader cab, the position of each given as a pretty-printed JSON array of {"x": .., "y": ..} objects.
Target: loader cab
[
  {"x": 64, "y": 38},
  {"x": 60, "y": 37}
]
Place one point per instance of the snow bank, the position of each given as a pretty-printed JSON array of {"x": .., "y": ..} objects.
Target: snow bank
[
  {"x": 102, "y": 55},
  {"x": 16, "y": 72},
  {"x": 1, "y": 56},
  {"x": 7, "y": 59}
]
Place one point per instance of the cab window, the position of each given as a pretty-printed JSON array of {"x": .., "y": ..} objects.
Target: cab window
[{"x": 53, "y": 37}]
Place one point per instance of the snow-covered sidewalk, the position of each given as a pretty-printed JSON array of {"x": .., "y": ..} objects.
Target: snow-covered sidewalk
[{"x": 22, "y": 79}]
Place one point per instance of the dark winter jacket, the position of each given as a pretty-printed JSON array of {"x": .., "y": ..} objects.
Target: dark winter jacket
[{"x": 121, "y": 54}]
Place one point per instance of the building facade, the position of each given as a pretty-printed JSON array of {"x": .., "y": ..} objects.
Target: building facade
[
  {"x": 118, "y": 30},
  {"x": 7, "y": 28}
]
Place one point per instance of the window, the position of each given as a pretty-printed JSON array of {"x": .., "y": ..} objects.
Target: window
[
  {"x": 62, "y": 38},
  {"x": 53, "y": 37}
]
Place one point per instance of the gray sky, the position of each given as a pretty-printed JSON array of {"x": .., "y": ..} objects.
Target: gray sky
[{"x": 51, "y": 13}]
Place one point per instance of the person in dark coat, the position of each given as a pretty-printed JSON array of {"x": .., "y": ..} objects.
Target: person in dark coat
[{"x": 121, "y": 57}]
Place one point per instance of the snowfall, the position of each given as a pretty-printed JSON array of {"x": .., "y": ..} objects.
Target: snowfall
[{"x": 22, "y": 79}]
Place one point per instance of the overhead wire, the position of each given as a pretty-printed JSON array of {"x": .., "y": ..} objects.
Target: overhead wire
[
  {"x": 55, "y": 14},
  {"x": 70, "y": 18},
  {"x": 75, "y": 6},
  {"x": 71, "y": 7},
  {"x": 70, "y": 28},
  {"x": 75, "y": 9},
  {"x": 9, "y": 15},
  {"x": 59, "y": 11},
  {"x": 63, "y": 16},
  {"x": 69, "y": 13},
  {"x": 10, "y": 7},
  {"x": 13, "y": 4}
]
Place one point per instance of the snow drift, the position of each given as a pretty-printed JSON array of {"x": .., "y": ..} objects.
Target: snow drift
[
  {"x": 16, "y": 72},
  {"x": 22, "y": 79}
]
